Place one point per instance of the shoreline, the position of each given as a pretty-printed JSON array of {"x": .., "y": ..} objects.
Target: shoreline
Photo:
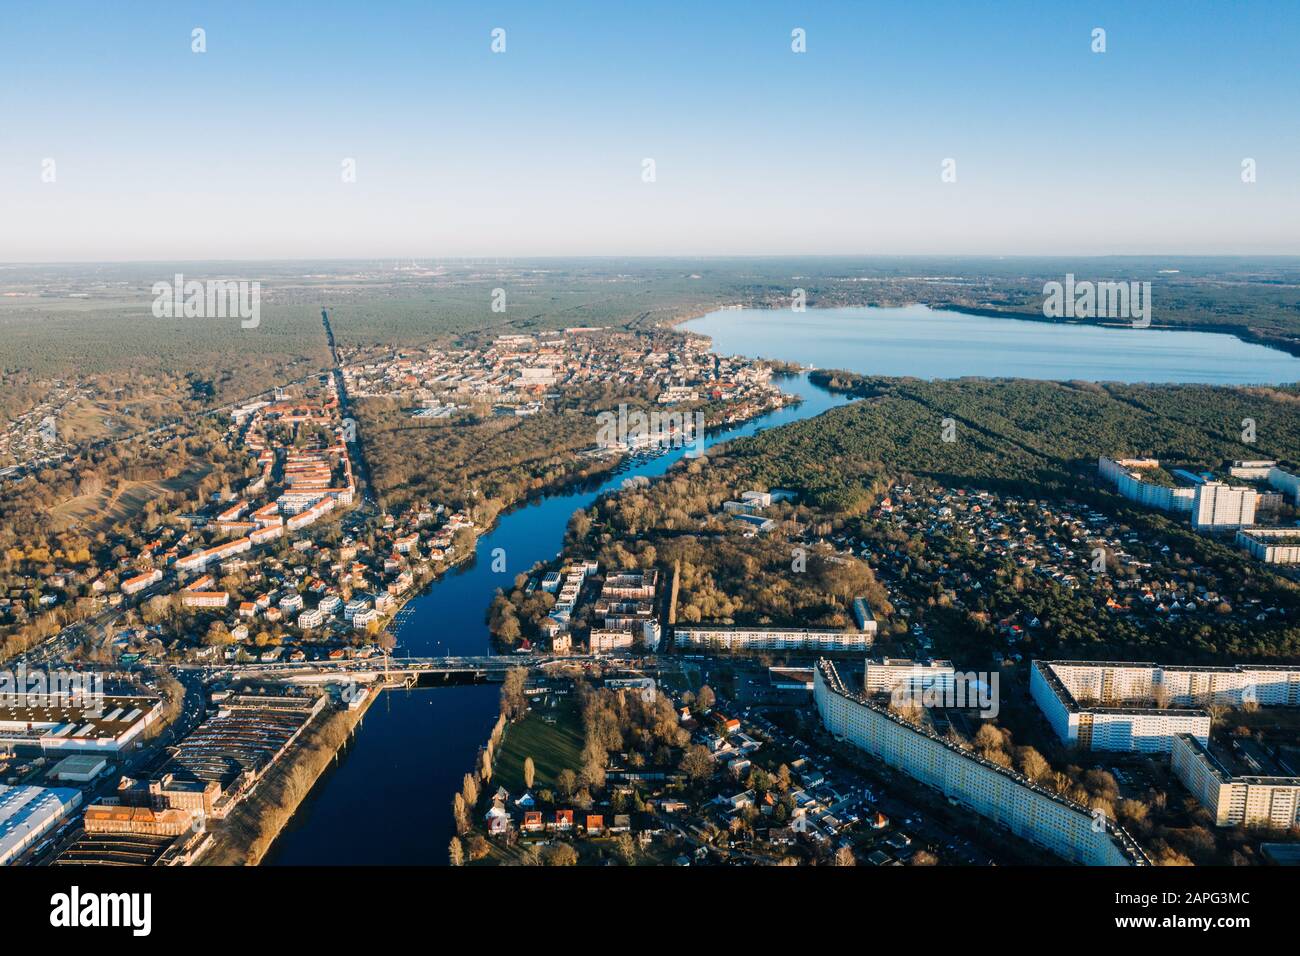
[
  {"x": 563, "y": 487},
  {"x": 247, "y": 836}
]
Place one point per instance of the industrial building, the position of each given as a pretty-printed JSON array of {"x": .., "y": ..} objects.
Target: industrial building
[
  {"x": 27, "y": 814},
  {"x": 54, "y": 727},
  {"x": 212, "y": 768},
  {"x": 79, "y": 768}
]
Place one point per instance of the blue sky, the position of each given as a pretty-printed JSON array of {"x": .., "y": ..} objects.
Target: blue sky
[{"x": 237, "y": 152}]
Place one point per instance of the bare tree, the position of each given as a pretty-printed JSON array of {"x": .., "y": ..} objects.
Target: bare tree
[
  {"x": 625, "y": 847},
  {"x": 561, "y": 855},
  {"x": 514, "y": 703},
  {"x": 566, "y": 781},
  {"x": 697, "y": 763},
  {"x": 461, "y": 814}
]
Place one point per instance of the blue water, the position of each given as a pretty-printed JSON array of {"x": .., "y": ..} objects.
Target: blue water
[
  {"x": 928, "y": 343},
  {"x": 388, "y": 800}
]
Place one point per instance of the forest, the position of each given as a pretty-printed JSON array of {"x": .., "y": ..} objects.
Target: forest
[{"x": 1033, "y": 439}]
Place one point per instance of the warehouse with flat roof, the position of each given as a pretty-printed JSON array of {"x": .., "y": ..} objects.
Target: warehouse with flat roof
[
  {"x": 28, "y": 813},
  {"x": 52, "y": 727}
]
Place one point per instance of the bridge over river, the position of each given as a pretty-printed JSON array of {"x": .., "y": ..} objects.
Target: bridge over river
[{"x": 407, "y": 670}]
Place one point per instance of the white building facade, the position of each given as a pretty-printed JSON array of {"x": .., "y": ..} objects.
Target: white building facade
[{"x": 1059, "y": 825}]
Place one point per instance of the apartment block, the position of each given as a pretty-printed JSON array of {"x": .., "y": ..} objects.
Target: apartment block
[
  {"x": 603, "y": 640},
  {"x": 997, "y": 793},
  {"x": 1216, "y": 505},
  {"x": 1233, "y": 799},
  {"x": 890, "y": 674},
  {"x": 1126, "y": 475},
  {"x": 731, "y": 638},
  {"x": 1141, "y": 706},
  {"x": 141, "y": 581},
  {"x": 1271, "y": 545}
]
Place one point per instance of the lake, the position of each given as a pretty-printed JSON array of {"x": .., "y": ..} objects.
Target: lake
[{"x": 932, "y": 343}]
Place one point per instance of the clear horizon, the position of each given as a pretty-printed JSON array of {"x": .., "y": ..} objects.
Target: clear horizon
[{"x": 161, "y": 154}]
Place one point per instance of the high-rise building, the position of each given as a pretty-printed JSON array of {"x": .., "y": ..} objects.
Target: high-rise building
[
  {"x": 1031, "y": 812},
  {"x": 894, "y": 674},
  {"x": 1235, "y": 799},
  {"x": 1216, "y": 505},
  {"x": 1141, "y": 706}
]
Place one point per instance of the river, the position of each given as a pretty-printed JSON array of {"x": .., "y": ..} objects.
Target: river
[{"x": 387, "y": 800}]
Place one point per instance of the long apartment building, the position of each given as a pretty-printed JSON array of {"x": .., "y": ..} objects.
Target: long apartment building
[
  {"x": 731, "y": 638},
  {"x": 1284, "y": 481},
  {"x": 1278, "y": 478},
  {"x": 1234, "y": 799},
  {"x": 1271, "y": 545},
  {"x": 1209, "y": 504},
  {"x": 1141, "y": 706},
  {"x": 1065, "y": 828},
  {"x": 1126, "y": 475},
  {"x": 1110, "y": 707},
  {"x": 199, "y": 560},
  {"x": 141, "y": 581}
]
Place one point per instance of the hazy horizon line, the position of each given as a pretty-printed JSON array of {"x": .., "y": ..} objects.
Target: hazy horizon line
[{"x": 710, "y": 257}]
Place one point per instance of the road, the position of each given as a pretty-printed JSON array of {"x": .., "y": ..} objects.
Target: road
[{"x": 360, "y": 470}]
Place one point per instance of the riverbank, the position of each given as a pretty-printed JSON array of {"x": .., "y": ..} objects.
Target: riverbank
[
  {"x": 418, "y": 744},
  {"x": 245, "y": 836},
  {"x": 598, "y": 475}
]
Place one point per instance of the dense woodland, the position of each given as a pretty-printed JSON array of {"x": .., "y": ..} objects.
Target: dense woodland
[{"x": 1028, "y": 438}]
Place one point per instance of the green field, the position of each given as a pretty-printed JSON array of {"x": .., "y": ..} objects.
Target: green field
[{"x": 553, "y": 746}]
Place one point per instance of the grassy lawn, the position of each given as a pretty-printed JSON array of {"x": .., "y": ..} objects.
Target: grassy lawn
[
  {"x": 553, "y": 746},
  {"x": 687, "y": 679}
]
